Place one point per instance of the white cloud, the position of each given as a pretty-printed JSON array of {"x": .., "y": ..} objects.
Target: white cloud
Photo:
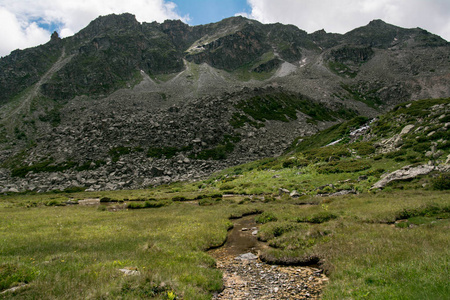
[
  {"x": 19, "y": 17},
  {"x": 344, "y": 15},
  {"x": 17, "y": 34}
]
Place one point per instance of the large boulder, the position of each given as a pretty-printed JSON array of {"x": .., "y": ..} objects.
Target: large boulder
[{"x": 405, "y": 173}]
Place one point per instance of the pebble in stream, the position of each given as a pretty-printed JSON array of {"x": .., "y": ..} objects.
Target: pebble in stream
[
  {"x": 246, "y": 277},
  {"x": 252, "y": 279}
]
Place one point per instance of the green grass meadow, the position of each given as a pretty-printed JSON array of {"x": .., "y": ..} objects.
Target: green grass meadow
[{"x": 75, "y": 251}]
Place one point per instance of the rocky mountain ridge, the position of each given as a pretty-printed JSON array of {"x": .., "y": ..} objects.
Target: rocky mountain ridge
[{"x": 126, "y": 105}]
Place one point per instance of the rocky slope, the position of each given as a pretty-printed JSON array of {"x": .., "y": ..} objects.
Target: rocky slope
[{"x": 126, "y": 105}]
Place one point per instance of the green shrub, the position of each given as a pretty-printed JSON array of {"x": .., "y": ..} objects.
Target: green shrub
[
  {"x": 44, "y": 166},
  {"x": 135, "y": 205},
  {"x": 217, "y": 153},
  {"x": 167, "y": 152},
  {"x": 441, "y": 182},
  {"x": 266, "y": 217},
  {"x": 376, "y": 172},
  {"x": 325, "y": 153},
  {"x": 444, "y": 146},
  {"x": 283, "y": 107},
  {"x": 74, "y": 189},
  {"x": 395, "y": 154},
  {"x": 117, "y": 152},
  {"x": 364, "y": 148},
  {"x": 224, "y": 187},
  {"x": 320, "y": 217},
  {"x": 344, "y": 167},
  {"x": 422, "y": 147},
  {"x": 272, "y": 230},
  {"x": 295, "y": 162},
  {"x": 217, "y": 195},
  {"x": 179, "y": 198},
  {"x": 146, "y": 204},
  {"x": 54, "y": 203},
  {"x": 424, "y": 211},
  {"x": 154, "y": 204},
  {"x": 209, "y": 201}
]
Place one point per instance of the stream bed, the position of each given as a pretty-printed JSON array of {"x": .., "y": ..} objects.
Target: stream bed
[{"x": 245, "y": 276}]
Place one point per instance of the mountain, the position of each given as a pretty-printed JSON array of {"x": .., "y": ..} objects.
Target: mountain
[{"x": 123, "y": 104}]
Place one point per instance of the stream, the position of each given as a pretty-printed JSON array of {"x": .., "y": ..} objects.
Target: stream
[{"x": 245, "y": 276}]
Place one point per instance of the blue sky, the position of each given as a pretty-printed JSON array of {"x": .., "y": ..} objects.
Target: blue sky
[
  {"x": 27, "y": 23},
  {"x": 210, "y": 11}
]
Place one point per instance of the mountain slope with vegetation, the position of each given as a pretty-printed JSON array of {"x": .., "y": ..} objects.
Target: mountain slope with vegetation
[{"x": 123, "y": 104}]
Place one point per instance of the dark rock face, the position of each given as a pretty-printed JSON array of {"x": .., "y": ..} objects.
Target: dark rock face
[{"x": 124, "y": 105}]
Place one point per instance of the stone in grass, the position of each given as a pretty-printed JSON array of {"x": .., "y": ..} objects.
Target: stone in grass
[
  {"x": 130, "y": 271},
  {"x": 294, "y": 194},
  {"x": 246, "y": 256},
  {"x": 13, "y": 289},
  {"x": 282, "y": 191}
]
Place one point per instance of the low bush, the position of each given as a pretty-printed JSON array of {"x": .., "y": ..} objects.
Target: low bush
[
  {"x": 395, "y": 154},
  {"x": 266, "y": 217},
  {"x": 226, "y": 186},
  {"x": 320, "y": 217},
  {"x": 146, "y": 204},
  {"x": 275, "y": 229},
  {"x": 217, "y": 195},
  {"x": 324, "y": 154},
  {"x": 364, "y": 148},
  {"x": 117, "y": 152},
  {"x": 295, "y": 163},
  {"x": 54, "y": 203},
  {"x": 179, "y": 198},
  {"x": 167, "y": 152},
  {"x": 422, "y": 147},
  {"x": 441, "y": 182},
  {"x": 377, "y": 172},
  {"x": 344, "y": 167},
  {"x": 423, "y": 211},
  {"x": 209, "y": 201}
]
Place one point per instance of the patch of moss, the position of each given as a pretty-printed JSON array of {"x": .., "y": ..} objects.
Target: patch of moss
[
  {"x": 167, "y": 152},
  {"x": 239, "y": 120},
  {"x": 344, "y": 167},
  {"x": 117, "y": 152},
  {"x": 283, "y": 107},
  {"x": 368, "y": 98},
  {"x": 45, "y": 166},
  {"x": 341, "y": 69}
]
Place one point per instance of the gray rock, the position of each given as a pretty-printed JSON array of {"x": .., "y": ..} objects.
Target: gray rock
[
  {"x": 294, "y": 194},
  {"x": 247, "y": 256},
  {"x": 407, "y": 129},
  {"x": 282, "y": 191},
  {"x": 407, "y": 172},
  {"x": 130, "y": 271}
]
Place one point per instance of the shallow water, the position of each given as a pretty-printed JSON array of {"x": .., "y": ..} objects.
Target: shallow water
[{"x": 239, "y": 242}]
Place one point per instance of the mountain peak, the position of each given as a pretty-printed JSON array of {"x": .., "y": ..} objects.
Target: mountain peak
[
  {"x": 112, "y": 22},
  {"x": 378, "y": 23}
]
